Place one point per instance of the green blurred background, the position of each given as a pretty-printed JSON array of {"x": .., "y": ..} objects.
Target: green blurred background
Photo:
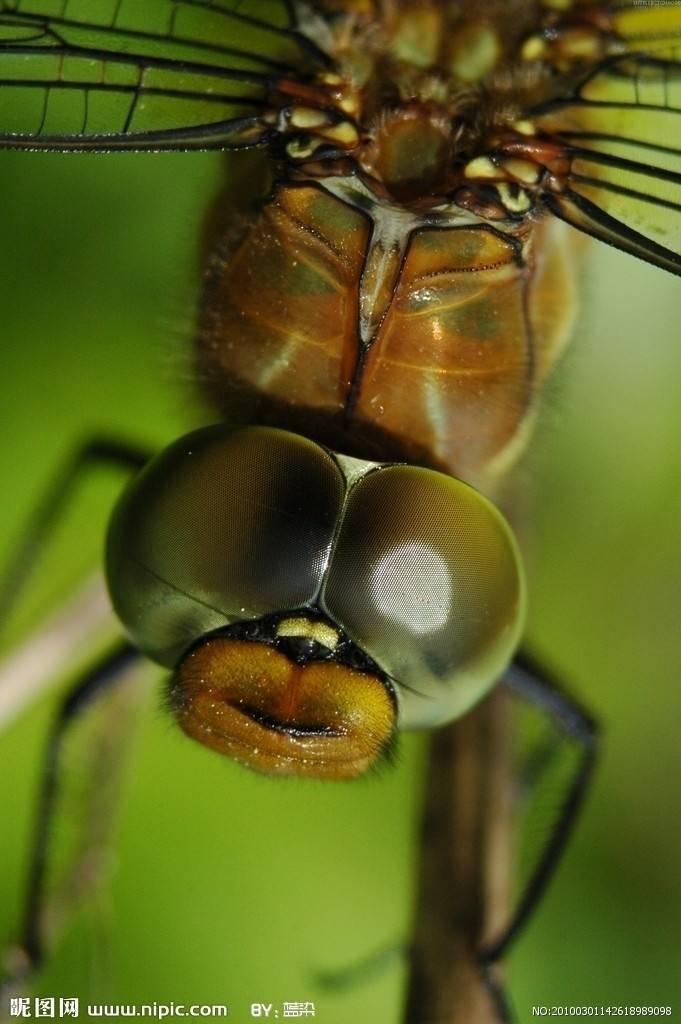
[{"x": 231, "y": 888}]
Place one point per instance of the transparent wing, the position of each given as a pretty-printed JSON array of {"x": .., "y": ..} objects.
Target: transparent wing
[
  {"x": 622, "y": 133},
  {"x": 643, "y": 26},
  {"x": 159, "y": 74}
]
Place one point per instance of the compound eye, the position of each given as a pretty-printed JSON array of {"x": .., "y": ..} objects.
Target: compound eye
[
  {"x": 426, "y": 578},
  {"x": 223, "y": 525}
]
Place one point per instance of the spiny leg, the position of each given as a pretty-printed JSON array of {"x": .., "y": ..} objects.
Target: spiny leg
[{"x": 532, "y": 684}]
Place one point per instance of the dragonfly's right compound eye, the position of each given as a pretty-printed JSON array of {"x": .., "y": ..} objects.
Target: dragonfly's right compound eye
[{"x": 426, "y": 578}]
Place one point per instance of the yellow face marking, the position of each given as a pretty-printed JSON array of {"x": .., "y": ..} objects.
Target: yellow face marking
[{"x": 321, "y": 632}]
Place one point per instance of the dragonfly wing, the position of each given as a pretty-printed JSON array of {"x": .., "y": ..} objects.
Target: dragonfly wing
[
  {"x": 122, "y": 75},
  {"x": 645, "y": 26},
  {"x": 621, "y": 129}
]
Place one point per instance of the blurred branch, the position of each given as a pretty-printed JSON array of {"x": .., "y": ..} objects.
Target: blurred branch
[{"x": 58, "y": 646}]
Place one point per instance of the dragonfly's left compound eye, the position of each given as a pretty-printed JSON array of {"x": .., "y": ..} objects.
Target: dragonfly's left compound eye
[{"x": 224, "y": 525}]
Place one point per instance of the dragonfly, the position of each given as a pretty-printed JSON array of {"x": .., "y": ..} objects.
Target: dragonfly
[{"x": 569, "y": 140}]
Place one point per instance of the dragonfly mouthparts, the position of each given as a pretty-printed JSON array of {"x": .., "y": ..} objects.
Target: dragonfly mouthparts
[{"x": 279, "y": 709}]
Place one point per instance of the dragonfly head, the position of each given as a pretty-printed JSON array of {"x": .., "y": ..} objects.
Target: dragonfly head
[{"x": 308, "y": 603}]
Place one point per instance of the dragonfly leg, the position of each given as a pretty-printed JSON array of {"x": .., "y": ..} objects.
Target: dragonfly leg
[
  {"x": 531, "y": 683},
  {"x": 102, "y": 677},
  {"x": 93, "y": 453},
  {"x": 498, "y": 996}
]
